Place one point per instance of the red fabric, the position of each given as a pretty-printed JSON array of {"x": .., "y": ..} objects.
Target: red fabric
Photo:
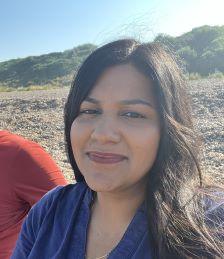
[{"x": 27, "y": 172}]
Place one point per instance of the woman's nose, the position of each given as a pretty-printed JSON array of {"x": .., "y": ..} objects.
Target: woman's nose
[{"x": 105, "y": 131}]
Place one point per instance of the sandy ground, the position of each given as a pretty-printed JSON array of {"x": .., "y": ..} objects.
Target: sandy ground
[{"x": 38, "y": 115}]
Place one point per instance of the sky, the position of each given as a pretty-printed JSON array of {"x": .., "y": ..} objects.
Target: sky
[{"x": 35, "y": 27}]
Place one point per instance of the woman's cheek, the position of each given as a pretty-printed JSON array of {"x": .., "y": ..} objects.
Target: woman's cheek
[
  {"x": 76, "y": 134},
  {"x": 80, "y": 133}
]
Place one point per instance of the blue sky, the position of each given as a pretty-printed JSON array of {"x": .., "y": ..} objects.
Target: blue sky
[{"x": 34, "y": 27}]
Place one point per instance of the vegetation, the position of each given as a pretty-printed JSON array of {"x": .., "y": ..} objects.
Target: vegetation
[
  {"x": 201, "y": 51},
  {"x": 50, "y": 69}
]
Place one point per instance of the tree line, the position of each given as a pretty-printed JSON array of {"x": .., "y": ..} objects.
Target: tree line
[{"x": 201, "y": 51}]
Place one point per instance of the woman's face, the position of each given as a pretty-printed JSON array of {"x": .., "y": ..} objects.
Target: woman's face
[{"x": 116, "y": 135}]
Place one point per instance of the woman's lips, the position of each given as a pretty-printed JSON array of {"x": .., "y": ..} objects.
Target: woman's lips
[{"x": 105, "y": 158}]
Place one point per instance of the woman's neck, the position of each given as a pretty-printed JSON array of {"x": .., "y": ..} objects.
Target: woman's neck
[{"x": 115, "y": 210}]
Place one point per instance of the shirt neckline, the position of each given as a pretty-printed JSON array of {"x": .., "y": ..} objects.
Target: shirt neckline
[{"x": 134, "y": 233}]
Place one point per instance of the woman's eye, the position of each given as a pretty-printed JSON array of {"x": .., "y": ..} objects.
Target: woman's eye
[
  {"x": 89, "y": 111},
  {"x": 133, "y": 115}
]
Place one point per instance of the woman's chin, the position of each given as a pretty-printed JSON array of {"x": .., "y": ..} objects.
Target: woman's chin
[{"x": 99, "y": 185}]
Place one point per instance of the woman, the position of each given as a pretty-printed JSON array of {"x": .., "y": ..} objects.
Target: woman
[{"x": 132, "y": 146}]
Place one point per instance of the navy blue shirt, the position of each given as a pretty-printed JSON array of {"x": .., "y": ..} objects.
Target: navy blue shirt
[{"x": 56, "y": 227}]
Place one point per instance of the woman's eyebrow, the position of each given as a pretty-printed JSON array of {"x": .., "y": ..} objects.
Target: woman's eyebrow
[
  {"x": 123, "y": 102},
  {"x": 136, "y": 101},
  {"x": 91, "y": 100}
]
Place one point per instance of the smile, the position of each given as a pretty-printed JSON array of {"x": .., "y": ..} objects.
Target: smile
[{"x": 105, "y": 158}]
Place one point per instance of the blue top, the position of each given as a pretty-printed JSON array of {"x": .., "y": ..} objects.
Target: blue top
[{"x": 56, "y": 227}]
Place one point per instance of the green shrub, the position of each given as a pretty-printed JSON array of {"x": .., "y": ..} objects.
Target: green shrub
[
  {"x": 217, "y": 74},
  {"x": 194, "y": 76},
  {"x": 5, "y": 89}
]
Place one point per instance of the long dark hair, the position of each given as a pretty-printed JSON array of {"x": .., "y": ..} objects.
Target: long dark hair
[{"x": 175, "y": 194}]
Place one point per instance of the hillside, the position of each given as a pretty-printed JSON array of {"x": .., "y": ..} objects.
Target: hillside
[
  {"x": 44, "y": 69},
  {"x": 201, "y": 50}
]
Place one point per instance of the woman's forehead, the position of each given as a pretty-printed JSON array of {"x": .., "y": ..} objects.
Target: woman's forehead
[{"x": 122, "y": 82}]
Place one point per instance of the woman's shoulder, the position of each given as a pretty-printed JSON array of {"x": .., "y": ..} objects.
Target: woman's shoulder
[
  {"x": 61, "y": 197},
  {"x": 52, "y": 214},
  {"x": 64, "y": 192},
  {"x": 59, "y": 191}
]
